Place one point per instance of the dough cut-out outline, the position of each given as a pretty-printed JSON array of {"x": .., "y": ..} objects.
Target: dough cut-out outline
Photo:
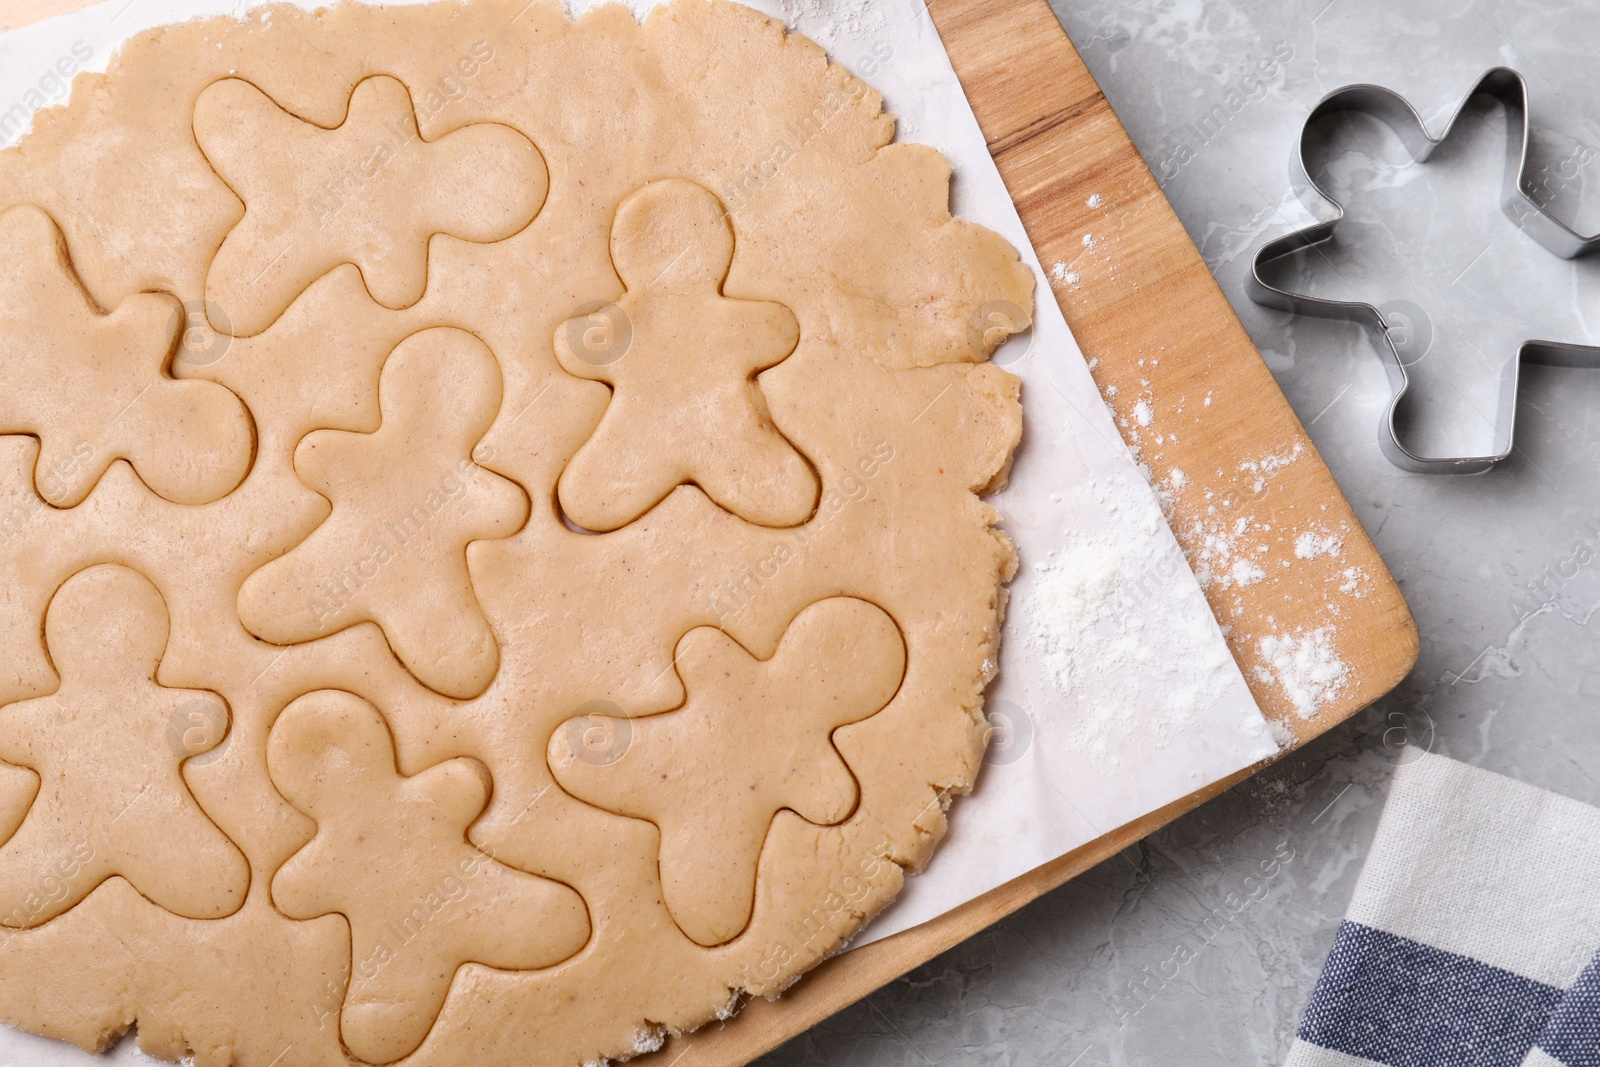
[
  {"x": 108, "y": 771},
  {"x": 95, "y": 387},
  {"x": 406, "y": 501},
  {"x": 845, "y": 657},
  {"x": 673, "y": 420},
  {"x": 484, "y": 181},
  {"x": 391, "y": 854}
]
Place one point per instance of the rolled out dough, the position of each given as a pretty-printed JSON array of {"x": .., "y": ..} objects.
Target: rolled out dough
[{"x": 542, "y": 594}]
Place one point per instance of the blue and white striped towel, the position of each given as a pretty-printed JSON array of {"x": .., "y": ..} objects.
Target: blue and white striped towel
[{"x": 1473, "y": 939}]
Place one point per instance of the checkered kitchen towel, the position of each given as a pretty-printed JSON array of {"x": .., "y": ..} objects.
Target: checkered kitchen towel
[{"x": 1474, "y": 936}]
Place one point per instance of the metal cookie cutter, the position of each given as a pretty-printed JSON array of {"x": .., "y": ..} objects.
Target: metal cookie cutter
[{"x": 1394, "y": 111}]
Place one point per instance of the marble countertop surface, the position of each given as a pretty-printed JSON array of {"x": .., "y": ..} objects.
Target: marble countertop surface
[{"x": 1161, "y": 956}]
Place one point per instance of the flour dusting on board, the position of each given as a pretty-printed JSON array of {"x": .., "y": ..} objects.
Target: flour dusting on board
[
  {"x": 1267, "y": 466},
  {"x": 1223, "y": 557},
  {"x": 1231, "y": 550},
  {"x": 1305, "y": 666},
  {"x": 1311, "y": 544}
]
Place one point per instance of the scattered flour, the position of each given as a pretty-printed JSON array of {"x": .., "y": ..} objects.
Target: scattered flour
[
  {"x": 649, "y": 1039},
  {"x": 639, "y": 9},
  {"x": 1227, "y": 552},
  {"x": 1270, "y": 464},
  {"x": 1167, "y": 491},
  {"x": 1088, "y": 240},
  {"x": 1310, "y": 545},
  {"x": 1244, "y": 572},
  {"x": 1074, "y": 592},
  {"x": 853, "y": 19},
  {"x": 1267, "y": 466},
  {"x": 1282, "y": 736},
  {"x": 1305, "y": 666},
  {"x": 1219, "y": 557},
  {"x": 1094, "y": 200},
  {"x": 844, "y": 12},
  {"x": 1088, "y": 618},
  {"x": 1063, "y": 274},
  {"x": 1353, "y": 577}
]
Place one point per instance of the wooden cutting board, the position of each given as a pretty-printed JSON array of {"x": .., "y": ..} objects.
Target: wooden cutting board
[
  {"x": 1147, "y": 313},
  {"x": 1150, "y": 317}
]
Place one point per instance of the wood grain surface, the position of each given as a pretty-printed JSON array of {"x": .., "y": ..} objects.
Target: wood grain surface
[
  {"x": 1157, "y": 329},
  {"x": 1147, "y": 312}
]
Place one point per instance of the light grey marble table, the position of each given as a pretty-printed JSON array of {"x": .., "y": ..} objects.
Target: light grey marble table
[{"x": 1161, "y": 956}]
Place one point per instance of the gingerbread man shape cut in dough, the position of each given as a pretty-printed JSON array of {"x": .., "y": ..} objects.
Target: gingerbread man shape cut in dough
[
  {"x": 94, "y": 388},
  {"x": 392, "y": 856},
  {"x": 107, "y": 746},
  {"x": 752, "y": 738},
  {"x": 407, "y": 499},
  {"x": 681, "y": 359},
  {"x": 369, "y": 191}
]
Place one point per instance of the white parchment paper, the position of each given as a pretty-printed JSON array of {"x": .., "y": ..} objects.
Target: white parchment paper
[{"x": 1116, "y": 694}]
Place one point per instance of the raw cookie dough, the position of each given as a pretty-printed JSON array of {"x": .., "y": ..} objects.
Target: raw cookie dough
[
  {"x": 672, "y": 420},
  {"x": 421, "y": 585},
  {"x": 839, "y": 661},
  {"x": 93, "y": 387},
  {"x": 367, "y": 192},
  {"x": 407, "y": 500},
  {"x": 383, "y": 838},
  {"x": 110, "y": 791}
]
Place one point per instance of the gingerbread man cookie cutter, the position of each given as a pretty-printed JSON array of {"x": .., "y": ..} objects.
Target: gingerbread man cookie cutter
[{"x": 1510, "y": 89}]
